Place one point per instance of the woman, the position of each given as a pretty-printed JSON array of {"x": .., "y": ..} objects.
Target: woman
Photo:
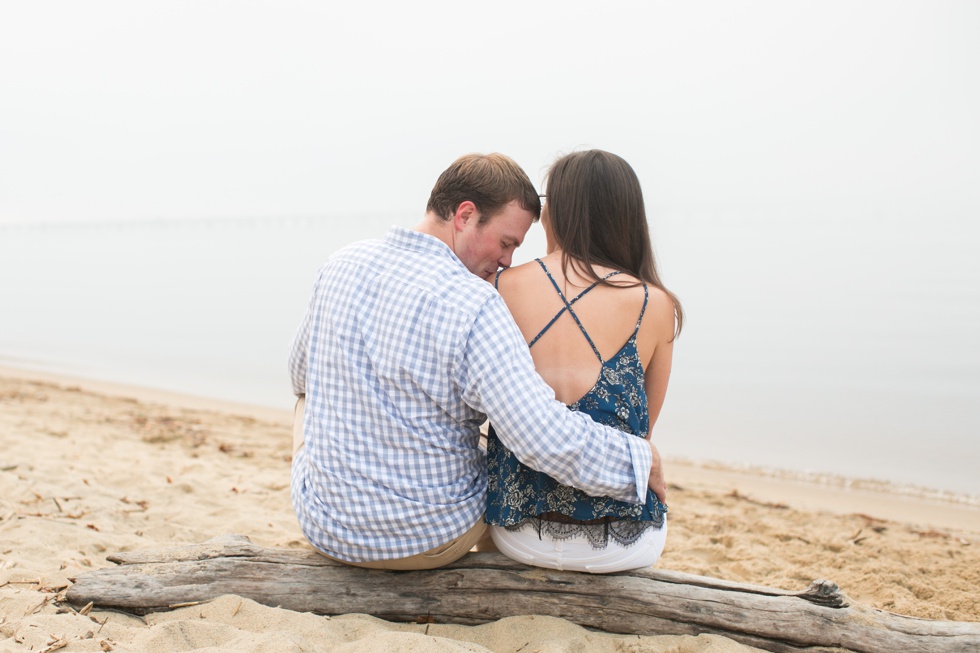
[{"x": 601, "y": 327}]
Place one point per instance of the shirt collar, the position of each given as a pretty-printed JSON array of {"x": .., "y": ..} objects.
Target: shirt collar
[{"x": 417, "y": 241}]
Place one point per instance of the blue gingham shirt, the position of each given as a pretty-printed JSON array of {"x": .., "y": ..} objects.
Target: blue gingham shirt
[{"x": 403, "y": 353}]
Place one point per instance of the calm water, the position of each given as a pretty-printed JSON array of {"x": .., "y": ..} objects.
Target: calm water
[{"x": 841, "y": 343}]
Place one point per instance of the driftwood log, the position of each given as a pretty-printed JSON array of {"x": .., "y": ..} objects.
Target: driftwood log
[{"x": 484, "y": 587}]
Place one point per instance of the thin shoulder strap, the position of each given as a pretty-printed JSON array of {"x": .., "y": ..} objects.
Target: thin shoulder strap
[
  {"x": 646, "y": 296},
  {"x": 496, "y": 279},
  {"x": 568, "y": 307}
]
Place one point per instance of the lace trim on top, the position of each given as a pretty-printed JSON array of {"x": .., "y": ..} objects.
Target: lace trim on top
[{"x": 623, "y": 532}]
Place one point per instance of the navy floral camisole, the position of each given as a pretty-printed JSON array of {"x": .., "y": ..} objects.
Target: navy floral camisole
[{"x": 519, "y": 497}]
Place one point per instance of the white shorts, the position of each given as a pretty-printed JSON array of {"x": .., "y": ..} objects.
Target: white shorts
[{"x": 576, "y": 553}]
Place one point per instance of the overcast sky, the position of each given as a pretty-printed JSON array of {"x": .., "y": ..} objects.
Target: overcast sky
[{"x": 124, "y": 109}]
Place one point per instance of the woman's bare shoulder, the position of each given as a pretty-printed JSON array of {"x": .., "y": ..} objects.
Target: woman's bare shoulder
[
  {"x": 659, "y": 315},
  {"x": 517, "y": 275}
]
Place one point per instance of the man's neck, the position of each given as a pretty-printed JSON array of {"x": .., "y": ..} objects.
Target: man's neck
[{"x": 433, "y": 225}]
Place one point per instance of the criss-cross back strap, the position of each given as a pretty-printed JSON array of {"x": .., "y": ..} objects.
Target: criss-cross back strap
[{"x": 568, "y": 307}]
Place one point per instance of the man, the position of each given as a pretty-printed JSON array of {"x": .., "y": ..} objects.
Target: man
[{"x": 404, "y": 352}]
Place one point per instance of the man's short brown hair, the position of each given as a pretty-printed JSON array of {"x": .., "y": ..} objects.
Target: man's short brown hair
[{"x": 490, "y": 181}]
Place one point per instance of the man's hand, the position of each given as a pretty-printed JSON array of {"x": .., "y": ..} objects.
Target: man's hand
[{"x": 657, "y": 482}]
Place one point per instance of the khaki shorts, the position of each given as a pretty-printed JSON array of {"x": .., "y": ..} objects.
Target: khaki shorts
[
  {"x": 298, "y": 413},
  {"x": 431, "y": 559}
]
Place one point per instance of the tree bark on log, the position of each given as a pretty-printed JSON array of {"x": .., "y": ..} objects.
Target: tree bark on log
[{"x": 484, "y": 587}]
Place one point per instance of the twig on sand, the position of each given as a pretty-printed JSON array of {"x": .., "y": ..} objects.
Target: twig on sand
[
  {"x": 59, "y": 642},
  {"x": 735, "y": 494}
]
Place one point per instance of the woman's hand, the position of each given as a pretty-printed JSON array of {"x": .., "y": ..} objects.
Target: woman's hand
[{"x": 656, "y": 481}]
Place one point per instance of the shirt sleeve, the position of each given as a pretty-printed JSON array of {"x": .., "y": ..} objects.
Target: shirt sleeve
[{"x": 496, "y": 375}]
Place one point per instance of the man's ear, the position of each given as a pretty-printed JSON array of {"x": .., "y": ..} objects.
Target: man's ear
[{"x": 465, "y": 213}]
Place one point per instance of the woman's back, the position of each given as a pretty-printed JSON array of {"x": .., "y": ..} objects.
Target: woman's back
[{"x": 608, "y": 314}]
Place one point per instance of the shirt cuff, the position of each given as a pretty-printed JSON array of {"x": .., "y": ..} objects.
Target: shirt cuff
[{"x": 642, "y": 461}]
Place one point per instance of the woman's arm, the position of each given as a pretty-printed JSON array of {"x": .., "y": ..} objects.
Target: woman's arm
[{"x": 659, "y": 322}]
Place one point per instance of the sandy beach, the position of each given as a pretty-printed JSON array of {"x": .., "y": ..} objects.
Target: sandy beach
[{"x": 90, "y": 469}]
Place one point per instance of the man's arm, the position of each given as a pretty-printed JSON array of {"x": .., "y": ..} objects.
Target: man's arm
[
  {"x": 300, "y": 348},
  {"x": 496, "y": 375}
]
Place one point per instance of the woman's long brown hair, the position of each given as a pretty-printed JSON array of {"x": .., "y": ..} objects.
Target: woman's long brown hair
[{"x": 597, "y": 217}]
